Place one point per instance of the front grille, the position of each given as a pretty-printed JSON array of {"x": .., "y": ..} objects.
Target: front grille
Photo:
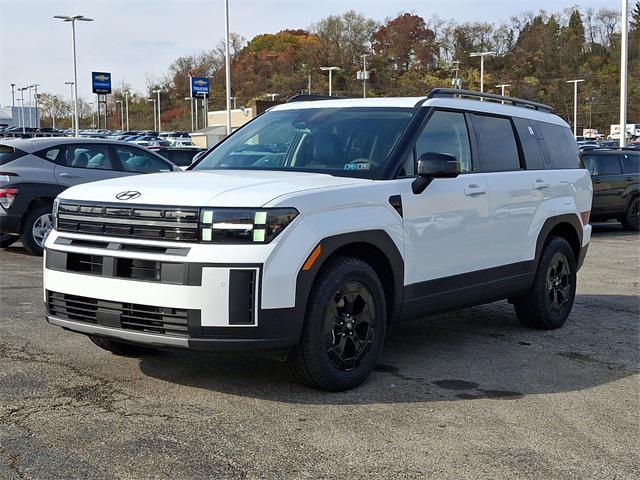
[
  {"x": 143, "y": 222},
  {"x": 127, "y": 316}
]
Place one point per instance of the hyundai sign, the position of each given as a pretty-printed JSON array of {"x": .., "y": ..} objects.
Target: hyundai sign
[
  {"x": 199, "y": 86},
  {"x": 101, "y": 82}
]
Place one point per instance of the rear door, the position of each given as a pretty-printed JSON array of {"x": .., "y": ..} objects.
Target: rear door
[
  {"x": 608, "y": 180},
  {"x": 515, "y": 195},
  {"x": 85, "y": 162}
]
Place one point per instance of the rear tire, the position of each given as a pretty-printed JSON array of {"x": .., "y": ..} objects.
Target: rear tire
[
  {"x": 548, "y": 303},
  {"x": 344, "y": 329},
  {"x": 7, "y": 240},
  {"x": 631, "y": 219},
  {"x": 121, "y": 348},
  {"x": 36, "y": 226}
]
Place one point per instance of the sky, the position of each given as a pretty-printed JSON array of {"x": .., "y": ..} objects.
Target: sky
[{"x": 137, "y": 40}]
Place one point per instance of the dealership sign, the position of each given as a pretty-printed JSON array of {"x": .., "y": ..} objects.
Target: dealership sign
[
  {"x": 199, "y": 86},
  {"x": 101, "y": 82}
]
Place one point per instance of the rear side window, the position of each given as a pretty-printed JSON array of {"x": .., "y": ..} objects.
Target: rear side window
[
  {"x": 562, "y": 149},
  {"x": 630, "y": 162},
  {"x": 530, "y": 141},
  {"x": 87, "y": 156},
  {"x": 496, "y": 143},
  {"x": 9, "y": 153}
]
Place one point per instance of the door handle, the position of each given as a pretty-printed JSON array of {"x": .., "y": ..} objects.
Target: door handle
[
  {"x": 597, "y": 181},
  {"x": 69, "y": 175},
  {"x": 540, "y": 184},
  {"x": 474, "y": 189}
]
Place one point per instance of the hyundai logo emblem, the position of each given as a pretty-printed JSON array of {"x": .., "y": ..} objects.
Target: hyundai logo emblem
[{"x": 128, "y": 195}]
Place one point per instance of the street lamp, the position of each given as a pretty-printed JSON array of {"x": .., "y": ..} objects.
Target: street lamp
[
  {"x": 22, "y": 107},
  {"x": 126, "y": 103},
  {"x": 502, "y": 86},
  {"x": 73, "y": 19},
  {"x": 154, "y": 111},
  {"x": 159, "y": 118},
  {"x": 624, "y": 59},
  {"x": 273, "y": 96},
  {"x": 71, "y": 84},
  {"x": 575, "y": 105},
  {"x": 191, "y": 101},
  {"x": 364, "y": 75},
  {"x": 481, "y": 55},
  {"x": 227, "y": 64},
  {"x": 119, "y": 102},
  {"x": 13, "y": 94},
  {"x": 330, "y": 70},
  {"x": 35, "y": 88}
]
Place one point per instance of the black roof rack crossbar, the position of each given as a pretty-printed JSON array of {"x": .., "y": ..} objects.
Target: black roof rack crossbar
[
  {"x": 310, "y": 98},
  {"x": 450, "y": 92}
]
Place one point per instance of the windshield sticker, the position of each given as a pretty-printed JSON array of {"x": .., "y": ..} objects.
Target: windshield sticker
[{"x": 357, "y": 166}]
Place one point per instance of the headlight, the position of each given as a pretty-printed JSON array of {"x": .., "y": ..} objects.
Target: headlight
[
  {"x": 238, "y": 225},
  {"x": 54, "y": 213}
]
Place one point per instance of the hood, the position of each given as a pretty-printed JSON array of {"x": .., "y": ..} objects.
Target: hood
[{"x": 219, "y": 188}]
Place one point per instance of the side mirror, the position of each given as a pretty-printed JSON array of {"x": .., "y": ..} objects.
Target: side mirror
[
  {"x": 434, "y": 165},
  {"x": 438, "y": 165}
]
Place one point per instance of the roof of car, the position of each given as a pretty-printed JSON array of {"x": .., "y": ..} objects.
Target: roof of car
[
  {"x": 491, "y": 107},
  {"x": 30, "y": 145}
]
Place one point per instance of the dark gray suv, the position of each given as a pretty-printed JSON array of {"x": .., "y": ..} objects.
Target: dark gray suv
[{"x": 34, "y": 171}]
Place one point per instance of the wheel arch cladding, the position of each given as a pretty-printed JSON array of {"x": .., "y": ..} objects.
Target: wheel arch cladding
[
  {"x": 568, "y": 227},
  {"x": 376, "y": 248}
]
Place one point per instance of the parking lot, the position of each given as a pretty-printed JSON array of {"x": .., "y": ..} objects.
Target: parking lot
[{"x": 470, "y": 394}]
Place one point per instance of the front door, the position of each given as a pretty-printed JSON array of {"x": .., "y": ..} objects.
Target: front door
[
  {"x": 81, "y": 163},
  {"x": 447, "y": 229}
]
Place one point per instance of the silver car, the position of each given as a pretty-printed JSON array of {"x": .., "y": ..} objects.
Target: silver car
[{"x": 34, "y": 171}]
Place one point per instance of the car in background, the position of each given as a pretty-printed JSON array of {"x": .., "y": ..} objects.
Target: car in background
[
  {"x": 34, "y": 171},
  {"x": 615, "y": 175},
  {"x": 150, "y": 142},
  {"x": 180, "y": 142},
  {"x": 181, "y": 156}
]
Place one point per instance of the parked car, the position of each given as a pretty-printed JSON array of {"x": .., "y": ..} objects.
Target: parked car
[
  {"x": 616, "y": 185},
  {"x": 181, "y": 156},
  {"x": 33, "y": 172},
  {"x": 319, "y": 224}
]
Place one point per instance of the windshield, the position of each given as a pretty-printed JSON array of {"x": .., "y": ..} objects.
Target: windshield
[{"x": 351, "y": 142}]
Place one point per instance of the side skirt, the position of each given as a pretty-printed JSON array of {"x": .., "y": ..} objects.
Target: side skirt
[{"x": 467, "y": 289}]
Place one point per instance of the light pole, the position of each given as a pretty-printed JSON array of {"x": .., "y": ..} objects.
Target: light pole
[
  {"x": 157, "y": 92},
  {"x": 190, "y": 101},
  {"x": 502, "y": 86},
  {"x": 35, "y": 89},
  {"x": 227, "y": 64},
  {"x": 273, "y": 96},
  {"x": 456, "y": 69},
  {"x": 330, "y": 70},
  {"x": 235, "y": 107},
  {"x": 575, "y": 105},
  {"x": 481, "y": 55},
  {"x": 22, "y": 108},
  {"x": 364, "y": 75},
  {"x": 30, "y": 105},
  {"x": 126, "y": 103},
  {"x": 155, "y": 112},
  {"x": 73, "y": 19},
  {"x": 71, "y": 84},
  {"x": 624, "y": 46},
  {"x": 13, "y": 94},
  {"x": 93, "y": 115},
  {"x": 119, "y": 102}
]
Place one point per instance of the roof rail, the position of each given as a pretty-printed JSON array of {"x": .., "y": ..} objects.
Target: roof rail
[
  {"x": 310, "y": 98},
  {"x": 516, "y": 102}
]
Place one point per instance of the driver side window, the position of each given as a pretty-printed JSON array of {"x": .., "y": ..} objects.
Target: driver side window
[{"x": 446, "y": 132}]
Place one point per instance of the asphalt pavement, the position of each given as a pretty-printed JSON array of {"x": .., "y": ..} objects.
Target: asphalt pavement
[{"x": 470, "y": 394}]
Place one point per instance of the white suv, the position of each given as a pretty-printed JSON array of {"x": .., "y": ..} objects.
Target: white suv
[{"x": 319, "y": 224}]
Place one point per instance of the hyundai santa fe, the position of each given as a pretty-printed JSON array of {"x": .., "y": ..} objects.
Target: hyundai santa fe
[{"x": 319, "y": 224}]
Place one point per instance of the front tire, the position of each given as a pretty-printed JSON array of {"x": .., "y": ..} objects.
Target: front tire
[
  {"x": 631, "y": 219},
  {"x": 121, "y": 348},
  {"x": 345, "y": 325},
  {"x": 35, "y": 229},
  {"x": 548, "y": 303}
]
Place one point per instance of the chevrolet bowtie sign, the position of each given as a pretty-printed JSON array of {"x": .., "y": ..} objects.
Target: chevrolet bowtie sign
[
  {"x": 199, "y": 86},
  {"x": 101, "y": 82}
]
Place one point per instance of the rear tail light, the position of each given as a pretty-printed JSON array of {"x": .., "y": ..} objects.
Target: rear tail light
[
  {"x": 585, "y": 216},
  {"x": 7, "y": 196}
]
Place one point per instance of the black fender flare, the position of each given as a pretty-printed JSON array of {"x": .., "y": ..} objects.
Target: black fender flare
[
  {"x": 379, "y": 239},
  {"x": 552, "y": 222}
]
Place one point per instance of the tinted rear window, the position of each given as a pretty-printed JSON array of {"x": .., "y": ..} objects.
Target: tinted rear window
[
  {"x": 631, "y": 162},
  {"x": 9, "y": 153},
  {"x": 496, "y": 143},
  {"x": 562, "y": 149},
  {"x": 602, "y": 164}
]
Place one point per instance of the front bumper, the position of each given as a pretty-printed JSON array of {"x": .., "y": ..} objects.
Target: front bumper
[{"x": 174, "y": 296}]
